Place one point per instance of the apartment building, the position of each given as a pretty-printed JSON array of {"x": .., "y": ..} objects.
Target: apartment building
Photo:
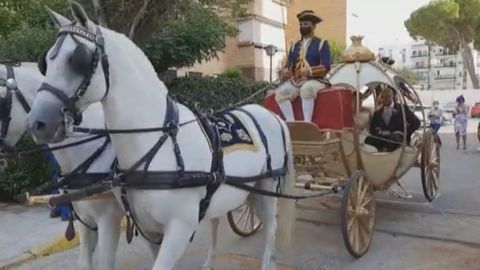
[{"x": 272, "y": 22}]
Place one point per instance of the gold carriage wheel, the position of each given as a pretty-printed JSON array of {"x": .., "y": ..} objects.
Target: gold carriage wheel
[
  {"x": 244, "y": 221},
  {"x": 430, "y": 166},
  {"x": 358, "y": 214}
]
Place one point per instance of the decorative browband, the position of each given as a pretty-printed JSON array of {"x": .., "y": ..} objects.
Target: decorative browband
[{"x": 70, "y": 29}]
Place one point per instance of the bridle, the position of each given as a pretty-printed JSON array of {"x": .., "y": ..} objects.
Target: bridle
[
  {"x": 70, "y": 110},
  {"x": 6, "y": 108},
  {"x": 6, "y": 103}
]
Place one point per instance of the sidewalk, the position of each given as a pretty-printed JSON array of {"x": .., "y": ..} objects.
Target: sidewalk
[{"x": 25, "y": 227}]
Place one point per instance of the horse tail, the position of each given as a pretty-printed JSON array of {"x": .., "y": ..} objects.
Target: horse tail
[{"x": 286, "y": 212}]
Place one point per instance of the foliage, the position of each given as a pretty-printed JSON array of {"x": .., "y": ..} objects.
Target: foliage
[
  {"x": 232, "y": 73},
  {"x": 23, "y": 174},
  {"x": 195, "y": 37},
  {"x": 449, "y": 23},
  {"x": 214, "y": 93},
  {"x": 409, "y": 76},
  {"x": 336, "y": 50},
  {"x": 174, "y": 33},
  {"x": 25, "y": 31}
]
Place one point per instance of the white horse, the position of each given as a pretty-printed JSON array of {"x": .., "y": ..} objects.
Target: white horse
[
  {"x": 103, "y": 213},
  {"x": 138, "y": 99}
]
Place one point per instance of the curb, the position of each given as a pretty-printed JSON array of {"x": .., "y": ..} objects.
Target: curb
[{"x": 56, "y": 245}]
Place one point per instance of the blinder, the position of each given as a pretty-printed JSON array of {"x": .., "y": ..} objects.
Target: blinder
[{"x": 81, "y": 60}]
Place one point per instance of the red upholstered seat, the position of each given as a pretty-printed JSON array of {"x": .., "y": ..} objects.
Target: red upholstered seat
[{"x": 333, "y": 108}]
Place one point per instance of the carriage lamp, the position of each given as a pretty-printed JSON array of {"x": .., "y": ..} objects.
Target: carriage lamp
[{"x": 271, "y": 51}]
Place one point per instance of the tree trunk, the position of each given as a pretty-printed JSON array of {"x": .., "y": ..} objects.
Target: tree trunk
[
  {"x": 469, "y": 64},
  {"x": 102, "y": 20},
  {"x": 139, "y": 16}
]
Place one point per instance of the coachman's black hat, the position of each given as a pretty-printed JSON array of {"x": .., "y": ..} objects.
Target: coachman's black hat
[{"x": 309, "y": 15}]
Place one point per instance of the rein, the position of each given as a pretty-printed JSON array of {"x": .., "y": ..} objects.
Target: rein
[{"x": 23, "y": 152}]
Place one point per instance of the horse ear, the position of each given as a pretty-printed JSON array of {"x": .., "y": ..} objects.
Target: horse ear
[
  {"x": 57, "y": 19},
  {"x": 79, "y": 14}
]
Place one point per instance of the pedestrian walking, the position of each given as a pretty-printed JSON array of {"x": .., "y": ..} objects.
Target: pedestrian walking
[{"x": 460, "y": 122}]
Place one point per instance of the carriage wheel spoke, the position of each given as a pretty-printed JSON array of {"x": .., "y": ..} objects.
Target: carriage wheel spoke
[
  {"x": 359, "y": 191},
  {"x": 352, "y": 232},
  {"x": 246, "y": 221},
  {"x": 362, "y": 194},
  {"x": 350, "y": 223},
  {"x": 357, "y": 238},
  {"x": 253, "y": 221},
  {"x": 367, "y": 201},
  {"x": 240, "y": 217}
]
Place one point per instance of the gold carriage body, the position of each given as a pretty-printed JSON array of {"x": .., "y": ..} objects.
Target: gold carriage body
[{"x": 332, "y": 156}]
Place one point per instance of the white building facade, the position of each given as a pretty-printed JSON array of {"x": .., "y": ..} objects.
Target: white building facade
[{"x": 440, "y": 68}]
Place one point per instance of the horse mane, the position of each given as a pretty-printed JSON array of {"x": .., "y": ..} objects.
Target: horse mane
[{"x": 135, "y": 56}]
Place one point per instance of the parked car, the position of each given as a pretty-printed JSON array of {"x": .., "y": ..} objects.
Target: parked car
[{"x": 475, "y": 111}]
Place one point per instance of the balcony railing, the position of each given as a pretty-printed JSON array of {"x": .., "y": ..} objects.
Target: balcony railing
[
  {"x": 444, "y": 77},
  {"x": 446, "y": 54},
  {"x": 445, "y": 66},
  {"x": 419, "y": 67},
  {"x": 419, "y": 55}
]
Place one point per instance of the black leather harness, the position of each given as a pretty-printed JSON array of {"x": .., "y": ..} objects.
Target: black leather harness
[{"x": 157, "y": 180}]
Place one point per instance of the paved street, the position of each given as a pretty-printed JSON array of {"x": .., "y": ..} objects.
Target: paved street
[{"x": 409, "y": 234}]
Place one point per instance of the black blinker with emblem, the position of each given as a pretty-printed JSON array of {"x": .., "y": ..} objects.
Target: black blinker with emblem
[
  {"x": 81, "y": 60},
  {"x": 42, "y": 63}
]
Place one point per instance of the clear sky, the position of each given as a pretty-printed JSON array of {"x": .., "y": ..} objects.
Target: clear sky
[{"x": 381, "y": 22}]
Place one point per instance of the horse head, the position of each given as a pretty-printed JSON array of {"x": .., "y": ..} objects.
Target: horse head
[{"x": 76, "y": 75}]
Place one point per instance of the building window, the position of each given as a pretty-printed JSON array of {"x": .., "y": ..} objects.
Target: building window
[{"x": 460, "y": 74}]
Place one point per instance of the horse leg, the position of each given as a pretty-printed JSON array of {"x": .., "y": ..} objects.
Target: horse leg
[
  {"x": 175, "y": 241},
  {"x": 208, "y": 265},
  {"x": 266, "y": 208},
  {"x": 88, "y": 242},
  {"x": 108, "y": 236}
]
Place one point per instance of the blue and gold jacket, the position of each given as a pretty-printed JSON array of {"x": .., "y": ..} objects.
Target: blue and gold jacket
[{"x": 317, "y": 56}]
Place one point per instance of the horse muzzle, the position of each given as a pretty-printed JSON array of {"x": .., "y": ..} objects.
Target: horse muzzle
[{"x": 47, "y": 123}]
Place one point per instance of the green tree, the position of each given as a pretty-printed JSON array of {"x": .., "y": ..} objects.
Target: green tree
[
  {"x": 336, "y": 50},
  {"x": 25, "y": 31},
  {"x": 449, "y": 23},
  {"x": 409, "y": 76},
  {"x": 173, "y": 33}
]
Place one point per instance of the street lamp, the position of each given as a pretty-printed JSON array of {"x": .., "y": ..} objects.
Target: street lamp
[{"x": 271, "y": 51}]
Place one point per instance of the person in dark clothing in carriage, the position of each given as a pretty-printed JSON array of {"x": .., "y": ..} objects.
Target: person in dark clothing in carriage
[{"x": 387, "y": 125}]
